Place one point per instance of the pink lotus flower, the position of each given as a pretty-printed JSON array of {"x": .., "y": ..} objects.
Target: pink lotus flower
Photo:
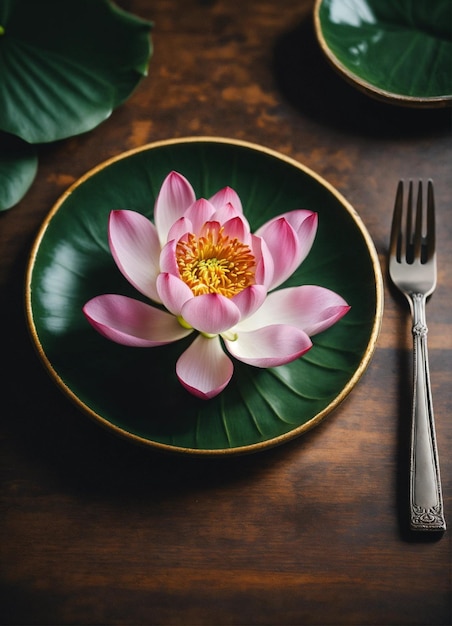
[{"x": 212, "y": 275}]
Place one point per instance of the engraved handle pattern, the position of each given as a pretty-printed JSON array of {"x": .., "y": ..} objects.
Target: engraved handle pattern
[{"x": 426, "y": 503}]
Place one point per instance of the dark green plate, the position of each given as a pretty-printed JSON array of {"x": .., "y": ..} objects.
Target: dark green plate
[
  {"x": 396, "y": 50},
  {"x": 134, "y": 391}
]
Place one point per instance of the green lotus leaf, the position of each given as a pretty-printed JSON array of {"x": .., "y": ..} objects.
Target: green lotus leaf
[
  {"x": 65, "y": 65},
  {"x": 18, "y": 167}
]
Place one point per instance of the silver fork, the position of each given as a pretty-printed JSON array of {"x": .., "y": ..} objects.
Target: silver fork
[{"x": 412, "y": 267}]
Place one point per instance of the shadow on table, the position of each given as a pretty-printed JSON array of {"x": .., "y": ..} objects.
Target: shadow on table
[{"x": 308, "y": 81}]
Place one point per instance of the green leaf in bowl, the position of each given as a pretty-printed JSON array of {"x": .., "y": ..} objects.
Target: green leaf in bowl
[
  {"x": 65, "y": 65},
  {"x": 397, "y": 50}
]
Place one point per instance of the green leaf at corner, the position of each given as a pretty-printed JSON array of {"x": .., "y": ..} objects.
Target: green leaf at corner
[
  {"x": 65, "y": 65},
  {"x": 18, "y": 167}
]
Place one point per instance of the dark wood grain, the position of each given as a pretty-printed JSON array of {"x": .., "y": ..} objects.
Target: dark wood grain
[{"x": 98, "y": 531}]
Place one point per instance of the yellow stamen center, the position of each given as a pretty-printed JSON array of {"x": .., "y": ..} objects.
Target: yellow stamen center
[{"x": 215, "y": 263}]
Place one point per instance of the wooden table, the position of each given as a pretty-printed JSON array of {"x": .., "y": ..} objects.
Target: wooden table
[{"x": 98, "y": 531}]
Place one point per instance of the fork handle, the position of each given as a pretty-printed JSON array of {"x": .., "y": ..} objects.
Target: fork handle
[{"x": 426, "y": 503}]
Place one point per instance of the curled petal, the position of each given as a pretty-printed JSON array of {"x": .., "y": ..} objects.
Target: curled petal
[
  {"x": 175, "y": 196},
  {"x": 227, "y": 212},
  {"x": 181, "y": 227},
  {"x": 211, "y": 228},
  {"x": 305, "y": 225},
  {"x": 173, "y": 292},
  {"x": 308, "y": 307},
  {"x": 317, "y": 308},
  {"x": 250, "y": 299},
  {"x": 131, "y": 322},
  {"x": 237, "y": 228},
  {"x": 204, "y": 369},
  {"x": 198, "y": 213},
  {"x": 303, "y": 222},
  {"x": 282, "y": 234},
  {"x": 168, "y": 261},
  {"x": 227, "y": 196},
  {"x": 135, "y": 247},
  {"x": 270, "y": 346},
  {"x": 284, "y": 247},
  {"x": 264, "y": 262},
  {"x": 211, "y": 313}
]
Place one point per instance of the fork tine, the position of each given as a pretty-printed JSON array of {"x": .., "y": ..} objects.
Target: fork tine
[
  {"x": 396, "y": 234},
  {"x": 408, "y": 250},
  {"x": 417, "y": 241},
  {"x": 431, "y": 235}
]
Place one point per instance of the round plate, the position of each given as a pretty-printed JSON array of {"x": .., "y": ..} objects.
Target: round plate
[
  {"x": 134, "y": 391},
  {"x": 396, "y": 51}
]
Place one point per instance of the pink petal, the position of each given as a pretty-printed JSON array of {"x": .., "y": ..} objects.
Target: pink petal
[
  {"x": 227, "y": 212},
  {"x": 181, "y": 227},
  {"x": 237, "y": 228},
  {"x": 204, "y": 369},
  {"x": 289, "y": 237},
  {"x": 168, "y": 261},
  {"x": 264, "y": 262},
  {"x": 173, "y": 292},
  {"x": 175, "y": 196},
  {"x": 317, "y": 308},
  {"x": 250, "y": 299},
  {"x": 305, "y": 225},
  {"x": 131, "y": 322},
  {"x": 270, "y": 346},
  {"x": 209, "y": 227},
  {"x": 225, "y": 196},
  {"x": 211, "y": 313},
  {"x": 308, "y": 307},
  {"x": 282, "y": 241},
  {"x": 135, "y": 247},
  {"x": 198, "y": 213}
]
